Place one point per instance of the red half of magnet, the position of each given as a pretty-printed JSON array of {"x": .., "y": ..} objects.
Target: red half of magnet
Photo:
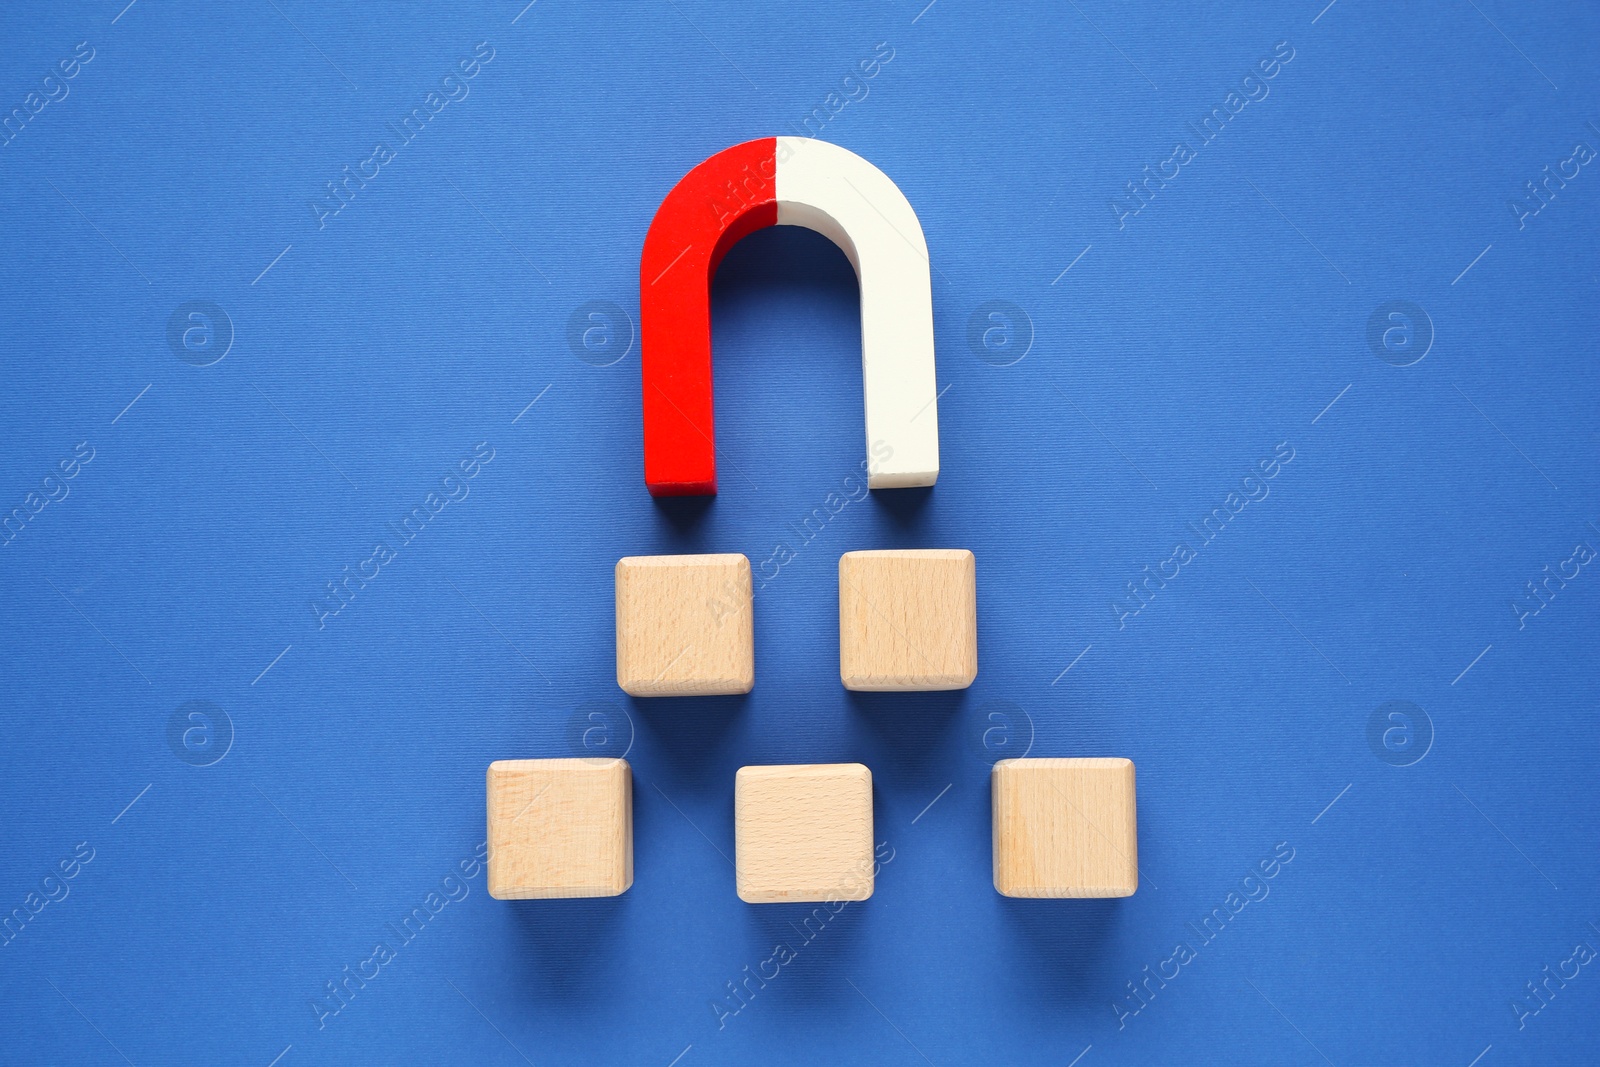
[{"x": 728, "y": 196}]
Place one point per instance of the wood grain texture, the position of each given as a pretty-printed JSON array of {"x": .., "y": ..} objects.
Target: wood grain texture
[
  {"x": 685, "y": 626},
  {"x": 803, "y": 833},
  {"x": 1065, "y": 828},
  {"x": 560, "y": 828},
  {"x": 908, "y": 620}
]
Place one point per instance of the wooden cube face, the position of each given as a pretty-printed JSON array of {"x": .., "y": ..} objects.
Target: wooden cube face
[
  {"x": 560, "y": 828},
  {"x": 908, "y": 620},
  {"x": 803, "y": 833},
  {"x": 684, "y": 626},
  {"x": 1065, "y": 828}
]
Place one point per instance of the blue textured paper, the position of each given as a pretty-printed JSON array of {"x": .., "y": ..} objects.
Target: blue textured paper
[{"x": 1366, "y": 745}]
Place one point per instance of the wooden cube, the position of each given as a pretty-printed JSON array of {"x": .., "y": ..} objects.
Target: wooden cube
[
  {"x": 803, "y": 833},
  {"x": 685, "y": 626},
  {"x": 908, "y": 620},
  {"x": 560, "y": 828},
  {"x": 1065, "y": 828}
]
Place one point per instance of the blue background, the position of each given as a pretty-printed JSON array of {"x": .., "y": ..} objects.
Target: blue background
[{"x": 372, "y": 353}]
